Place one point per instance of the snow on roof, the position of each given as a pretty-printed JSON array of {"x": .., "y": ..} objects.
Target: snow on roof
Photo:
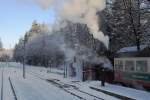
[{"x": 131, "y": 49}]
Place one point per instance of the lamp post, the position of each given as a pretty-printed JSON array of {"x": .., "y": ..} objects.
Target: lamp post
[
  {"x": 64, "y": 70},
  {"x": 50, "y": 65},
  {"x": 24, "y": 54}
]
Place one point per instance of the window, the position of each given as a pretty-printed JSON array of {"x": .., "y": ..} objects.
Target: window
[
  {"x": 119, "y": 65},
  {"x": 129, "y": 65},
  {"x": 141, "y": 66}
]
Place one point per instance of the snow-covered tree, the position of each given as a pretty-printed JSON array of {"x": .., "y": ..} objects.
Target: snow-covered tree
[
  {"x": 44, "y": 50},
  {"x": 19, "y": 51},
  {"x": 40, "y": 47},
  {"x": 126, "y": 21}
]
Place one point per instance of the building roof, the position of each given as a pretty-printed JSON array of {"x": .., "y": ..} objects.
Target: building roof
[
  {"x": 131, "y": 49},
  {"x": 133, "y": 52}
]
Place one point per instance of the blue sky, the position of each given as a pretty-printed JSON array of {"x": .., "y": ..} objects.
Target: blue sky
[{"x": 16, "y": 18}]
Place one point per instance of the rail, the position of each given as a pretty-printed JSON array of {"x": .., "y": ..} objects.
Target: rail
[
  {"x": 13, "y": 90},
  {"x": 62, "y": 85},
  {"x": 2, "y": 84}
]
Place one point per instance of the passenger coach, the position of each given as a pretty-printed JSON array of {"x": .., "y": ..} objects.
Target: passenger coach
[{"x": 132, "y": 67}]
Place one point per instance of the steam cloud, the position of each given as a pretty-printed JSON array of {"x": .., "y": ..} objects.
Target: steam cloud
[{"x": 80, "y": 11}]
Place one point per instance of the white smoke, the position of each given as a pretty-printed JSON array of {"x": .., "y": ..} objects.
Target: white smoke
[
  {"x": 79, "y": 11},
  {"x": 84, "y": 11}
]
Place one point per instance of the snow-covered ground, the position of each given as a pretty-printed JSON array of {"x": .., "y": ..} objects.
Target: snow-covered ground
[
  {"x": 8, "y": 95},
  {"x": 31, "y": 88},
  {"x": 128, "y": 92},
  {"x": 35, "y": 86},
  {"x": 7, "y": 92},
  {"x": 124, "y": 91}
]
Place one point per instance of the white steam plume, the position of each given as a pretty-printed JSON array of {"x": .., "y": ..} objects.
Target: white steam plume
[{"x": 80, "y": 11}]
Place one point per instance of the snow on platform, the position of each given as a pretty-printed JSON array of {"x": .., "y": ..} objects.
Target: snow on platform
[
  {"x": 70, "y": 81},
  {"x": 33, "y": 88},
  {"x": 120, "y": 90},
  {"x": 124, "y": 91},
  {"x": 45, "y": 74}
]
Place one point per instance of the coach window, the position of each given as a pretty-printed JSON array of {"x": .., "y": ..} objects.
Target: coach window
[
  {"x": 129, "y": 65},
  {"x": 141, "y": 66},
  {"x": 119, "y": 65}
]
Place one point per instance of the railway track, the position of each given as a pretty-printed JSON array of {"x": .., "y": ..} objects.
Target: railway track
[
  {"x": 74, "y": 90},
  {"x": 2, "y": 84},
  {"x": 12, "y": 88},
  {"x": 71, "y": 89}
]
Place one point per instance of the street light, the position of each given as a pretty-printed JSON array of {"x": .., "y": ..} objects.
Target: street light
[
  {"x": 64, "y": 70},
  {"x": 24, "y": 54}
]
